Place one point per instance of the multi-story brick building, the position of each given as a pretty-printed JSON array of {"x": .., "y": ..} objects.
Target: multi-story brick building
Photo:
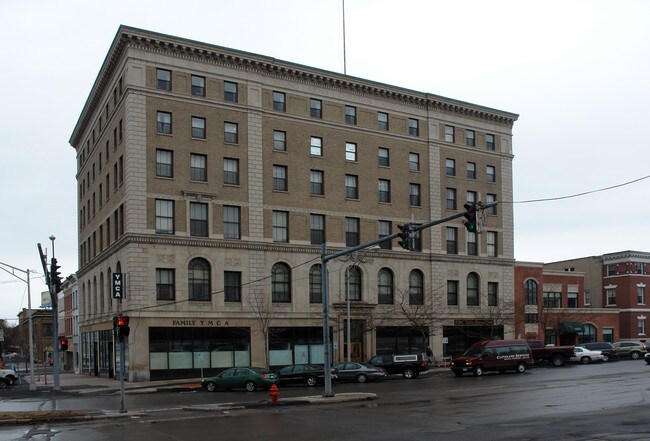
[{"x": 210, "y": 177}]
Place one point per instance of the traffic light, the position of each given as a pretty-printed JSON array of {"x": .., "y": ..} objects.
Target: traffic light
[
  {"x": 405, "y": 234},
  {"x": 470, "y": 215},
  {"x": 55, "y": 275},
  {"x": 121, "y": 326},
  {"x": 63, "y": 343}
]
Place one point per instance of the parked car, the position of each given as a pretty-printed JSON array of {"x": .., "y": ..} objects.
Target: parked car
[
  {"x": 493, "y": 355},
  {"x": 407, "y": 365},
  {"x": 249, "y": 378},
  {"x": 631, "y": 348},
  {"x": 586, "y": 356},
  {"x": 555, "y": 355},
  {"x": 308, "y": 374},
  {"x": 359, "y": 372},
  {"x": 9, "y": 375},
  {"x": 608, "y": 349},
  {"x": 647, "y": 357}
]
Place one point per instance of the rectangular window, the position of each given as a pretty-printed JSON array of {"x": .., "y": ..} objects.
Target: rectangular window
[
  {"x": 492, "y": 243},
  {"x": 493, "y": 294},
  {"x": 451, "y": 198},
  {"x": 414, "y": 162},
  {"x": 163, "y": 79},
  {"x": 640, "y": 327},
  {"x": 452, "y": 240},
  {"x": 469, "y": 137},
  {"x": 230, "y": 91},
  {"x": 317, "y": 228},
  {"x": 472, "y": 247},
  {"x": 165, "y": 284},
  {"x": 231, "y": 171},
  {"x": 414, "y": 195},
  {"x": 279, "y": 101},
  {"x": 350, "y": 151},
  {"x": 316, "y": 182},
  {"x": 198, "y": 219},
  {"x": 384, "y": 190},
  {"x": 587, "y": 297},
  {"x": 490, "y": 199},
  {"x": 490, "y": 173},
  {"x": 230, "y": 132},
  {"x": 552, "y": 299},
  {"x": 316, "y": 145},
  {"x": 452, "y": 292},
  {"x": 450, "y": 167},
  {"x": 198, "y": 85},
  {"x": 611, "y": 270},
  {"x": 382, "y": 121},
  {"x": 280, "y": 178},
  {"x": 384, "y": 157},
  {"x": 351, "y": 187},
  {"x": 449, "y": 134},
  {"x": 531, "y": 318},
  {"x": 315, "y": 108},
  {"x": 572, "y": 300},
  {"x": 489, "y": 141},
  {"x": 279, "y": 140},
  {"x": 164, "y": 216},
  {"x": 198, "y": 127},
  {"x": 232, "y": 286},
  {"x": 351, "y": 231},
  {"x": 164, "y": 164},
  {"x": 384, "y": 228},
  {"x": 164, "y": 122},
  {"x": 471, "y": 196},
  {"x": 640, "y": 295},
  {"x": 611, "y": 296},
  {"x": 280, "y": 226},
  {"x": 414, "y": 127},
  {"x": 198, "y": 167},
  {"x": 471, "y": 170},
  {"x": 351, "y": 115},
  {"x": 231, "y": 222}
]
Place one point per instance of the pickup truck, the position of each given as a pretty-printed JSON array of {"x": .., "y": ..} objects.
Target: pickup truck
[
  {"x": 407, "y": 365},
  {"x": 555, "y": 355}
]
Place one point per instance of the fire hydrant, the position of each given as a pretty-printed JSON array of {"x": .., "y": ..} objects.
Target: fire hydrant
[{"x": 274, "y": 393}]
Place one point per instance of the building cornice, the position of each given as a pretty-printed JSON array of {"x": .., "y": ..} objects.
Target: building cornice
[{"x": 128, "y": 37}]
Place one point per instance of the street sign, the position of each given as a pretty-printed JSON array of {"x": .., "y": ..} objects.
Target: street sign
[{"x": 118, "y": 286}]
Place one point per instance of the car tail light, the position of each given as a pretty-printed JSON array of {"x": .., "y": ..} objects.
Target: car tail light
[
  {"x": 643, "y": 346},
  {"x": 262, "y": 376}
]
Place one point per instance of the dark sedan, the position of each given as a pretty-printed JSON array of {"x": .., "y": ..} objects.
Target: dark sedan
[
  {"x": 308, "y": 374},
  {"x": 359, "y": 372},
  {"x": 249, "y": 378}
]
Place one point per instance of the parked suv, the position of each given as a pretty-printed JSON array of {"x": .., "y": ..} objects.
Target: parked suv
[
  {"x": 7, "y": 377},
  {"x": 608, "y": 349},
  {"x": 408, "y": 365},
  {"x": 631, "y": 348}
]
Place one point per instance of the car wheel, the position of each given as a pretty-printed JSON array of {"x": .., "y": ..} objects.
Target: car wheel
[
  {"x": 362, "y": 378},
  {"x": 557, "y": 360},
  {"x": 408, "y": 373},
  {"x": 605, "y": 357},
  {"x": 250, "y": 386},
  {"x": 3, "y": 383},
  {"x": 311, "y": 381},
  {"x": 460, "y": 374},
  {"x": 585, "y": 360},
  {"x": 647, "y": 360},
  {"x": 521, "y": 368},
  {"x": 635, "y": 355},
  {"x": 210, "y": 386},
  {"x": 478, "y": 371}
]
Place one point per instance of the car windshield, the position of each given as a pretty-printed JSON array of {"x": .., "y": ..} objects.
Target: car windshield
[{"x": 473, "y": 352}]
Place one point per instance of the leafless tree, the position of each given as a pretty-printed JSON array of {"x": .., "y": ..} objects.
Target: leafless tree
[{"x": 262, "y": 312}]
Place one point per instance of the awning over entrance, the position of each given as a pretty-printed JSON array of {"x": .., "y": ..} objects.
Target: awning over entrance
[{"x": 572, "y": 327}]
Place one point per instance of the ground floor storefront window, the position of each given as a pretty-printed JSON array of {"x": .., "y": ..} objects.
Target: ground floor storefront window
[
  {"x": 296, "y": 346},
  {"x": 192, "y": 352},
  {"x": 98, "y": 354},
  {"x": 460, "y": 338},
  {"x": 401, "y": 340}
]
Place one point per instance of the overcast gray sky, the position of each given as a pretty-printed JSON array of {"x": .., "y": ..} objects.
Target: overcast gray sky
[{"x": 576, "y": 71}]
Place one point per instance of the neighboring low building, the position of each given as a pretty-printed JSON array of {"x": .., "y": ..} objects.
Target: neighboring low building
[{"x": 42, "y": 328}]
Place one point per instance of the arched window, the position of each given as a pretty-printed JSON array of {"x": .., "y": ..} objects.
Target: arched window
[
  {"x": 530, "y": 291},
  {"x": 198, "y": 277},
  {"x": 472, "y": 289},
  {"x": 385, "y": 287},
  {"x": 281, "y": 283},
  {"x": 588, "y": 334},
  {"x": 354, "y": 283},
  {"x": 416, "y": 288},
  {"x": 102, "y": 291},
  {"x": 315, "y": 284}
]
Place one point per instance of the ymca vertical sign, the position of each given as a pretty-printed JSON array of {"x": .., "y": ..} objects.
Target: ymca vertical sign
[{"x": 118, "y": 285}]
